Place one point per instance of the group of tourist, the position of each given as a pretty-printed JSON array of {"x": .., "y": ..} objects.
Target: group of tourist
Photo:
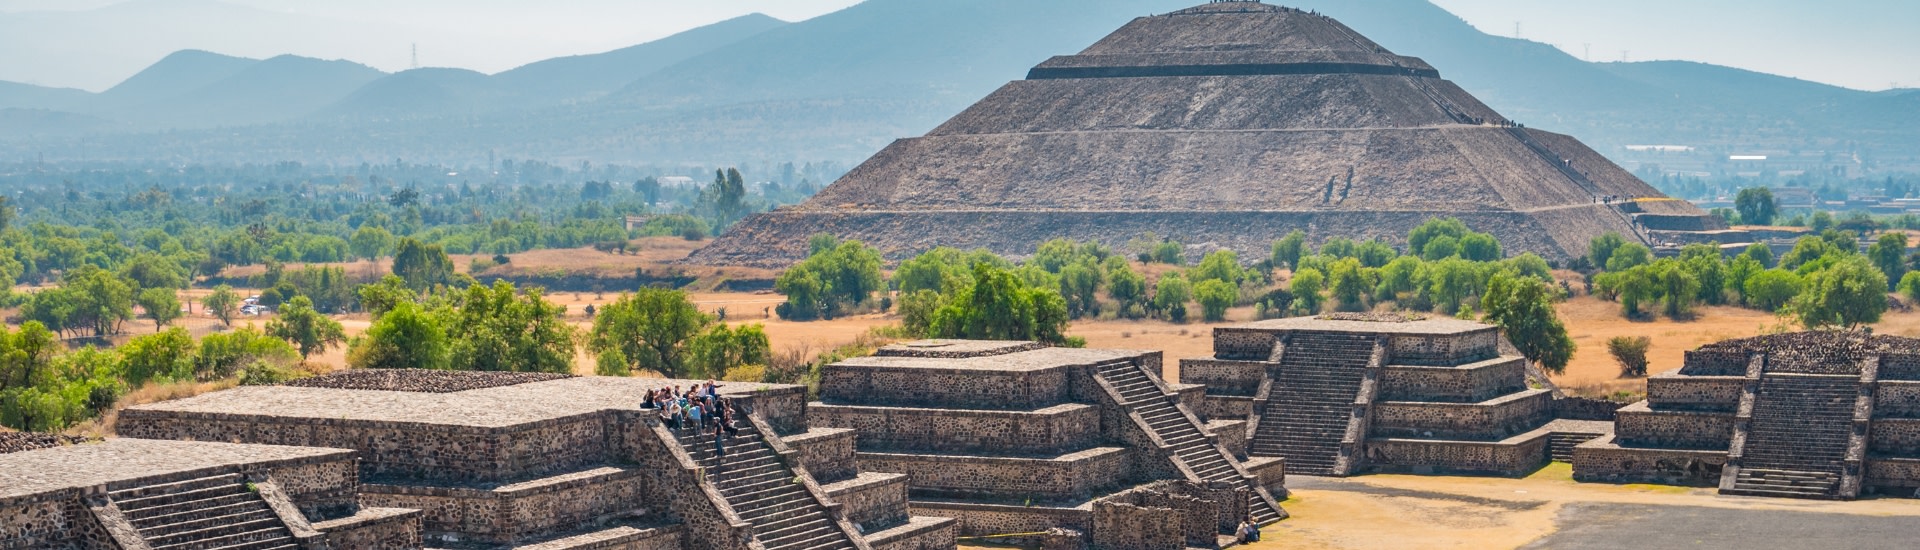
[
  {"x": 1249, "y": 530},
  {"x": 698, "y": 408}
]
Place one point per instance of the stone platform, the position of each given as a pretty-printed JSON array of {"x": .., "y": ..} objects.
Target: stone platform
[
  {"x": 1823, "y": 414},
  {"x": 551, "y": 463},
  {"x": 135, "y": 493},
  {"x": 1342, "y": 394},
  {"x": 1014, "y": 437}
]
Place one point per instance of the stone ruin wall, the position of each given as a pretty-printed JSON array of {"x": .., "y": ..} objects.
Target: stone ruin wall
[
  {"x": 1714, "y": 363},
  {"x": 1464, "y": 384},
  {"x": 1443, "y": 350},
  {"x": 1702, "y": 393},
  {"x": 1896, "y": 399},
  {"x": 1695, "y": 468},
  {"x": 936, "y": 387},
  {"x": 1054, "y": 429},
  {"x": 1420, "y": 456},
  {"x": 56, "y": 520},
  {"x": 827, "y": 454},
  {"x": 62, "y": 519},
  {"x": 455, "y": 454},
  {"x": 1076, "y": 475},
  {"x": 1471, "y": 421},
  {"x": 1224, "y": 377},
  {"x": 1243, "y": 344},
  {"x": 384, "y": 529},
  {"x": 1675, "y": 430},
  {"x": 511, "y": 515}
]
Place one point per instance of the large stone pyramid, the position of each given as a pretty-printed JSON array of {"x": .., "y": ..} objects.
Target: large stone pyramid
[{"x": 1230, "y": 124}]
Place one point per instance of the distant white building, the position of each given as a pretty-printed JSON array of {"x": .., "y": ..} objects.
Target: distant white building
[{"x": 675, "y": 181}]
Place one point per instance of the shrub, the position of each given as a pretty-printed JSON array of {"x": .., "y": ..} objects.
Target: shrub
[
  {"x": 1215, "y": 296},
  {"x": 1631, "y": 353}
]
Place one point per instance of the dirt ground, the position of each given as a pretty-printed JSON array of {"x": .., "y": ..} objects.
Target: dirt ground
[{"x": 1393, "y": 512}]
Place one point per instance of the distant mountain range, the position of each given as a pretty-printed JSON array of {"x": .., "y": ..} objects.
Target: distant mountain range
[{"x": 840, "y": 86}]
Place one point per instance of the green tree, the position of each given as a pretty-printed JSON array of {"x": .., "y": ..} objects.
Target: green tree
[
  {"x": 1400, "y": 279},
  {"x": 999, "y": 306},
  {"x": 1760, "y": 252},
  {"x": 308, "y": 330},
  {"x": 1889, "y": 253},
  {"x": 1219, "y": 265},
  {"x": 1679, "y": 287},
  {"x": 1287, "y": 250},
  {"x": 1451, "y": 281},
  {"x": 1756, "y": 205},
  {"x": 1850, "y": 293},
  {"x": 1739, "y": 271},
  {"x": 422, "y": 265},
  {"x": 406, "y": 336},
  {"x": 160, "y": 356},
  {"x": 1629, "y": 256},
  {"x": 650, "y": 329},
  {"x": 1349, "y": 283},
  {"x": 161, "y": 305},
  {"x": 725, "y": 198},
  {"x": 1215, "y": 297},
  {"x": 1127, "y": 287},
  {"x": 721, "y": 348},
  {"x": 223, "y": 303},
  {"x": 1523, "y": 309},
  {"x": 1079, "y": 284},
  {"x": 500, "y": 329},
  {"x": 1418, "y": 239},
  {"x": 1772, "y": 289},
  {"x": 1170, "y": 253},
  {"x": 1170, "y": 295},
  {"x": 1910, "y": 286},
  {"x": 224, "y": 355},
  {"x": 1441, "y": 247},
  {"x": 153, "y": 271},
  {"x": 1807, "y": 250},
  {"x": 370, "y": 242},
  {"x": 835, "y": 281},
  {"x": 1631, "y": 353},
  {"x": 379, "y": 298},
  {"x": 1480, "y": 247},
  {"x": 1306, "y": 287}
]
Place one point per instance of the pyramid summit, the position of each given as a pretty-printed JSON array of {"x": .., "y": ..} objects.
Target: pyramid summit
[{"x": 1229, "y": 124}]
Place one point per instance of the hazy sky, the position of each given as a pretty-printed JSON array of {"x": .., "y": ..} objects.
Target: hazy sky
[{"x": 1864, "y": 44}]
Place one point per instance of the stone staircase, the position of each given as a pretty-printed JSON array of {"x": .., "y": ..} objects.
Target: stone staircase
[
  {"x": 765, "y": 492},
  {"x": 217, "y": 512},
  {"x": 1796, "y": 443},
  {"x": 1145, "y": 396},
  {"x": 1560, "y": 444},
  {"x": 1311, "y": 400}
]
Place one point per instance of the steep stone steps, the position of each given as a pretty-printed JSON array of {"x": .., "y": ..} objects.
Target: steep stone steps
[
  {"x": 1310, "y": 402},
  {"x": 1142, "y": 395},
  {"x": 1797, "y": 438},
  {"x": 215, "y": 512},
  {"x": 765, "y": 492}
]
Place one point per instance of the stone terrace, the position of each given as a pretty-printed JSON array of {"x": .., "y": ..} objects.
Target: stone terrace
[
  {"x": 557, "y": 463},
  {"x": 134, "y": 493},
  {"x": 1013, "y": 437},
  {"x": 1346, "y": 393},
  {"x": 1819, "y": 414}
]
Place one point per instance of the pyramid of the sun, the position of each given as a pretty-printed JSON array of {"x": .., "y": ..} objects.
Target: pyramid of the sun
[{"x": 1230, "y": 123}]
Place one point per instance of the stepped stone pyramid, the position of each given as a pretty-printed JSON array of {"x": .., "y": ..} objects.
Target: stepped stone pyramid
[
  {"x": 1230, "y": 123},
  {"x": 1825, "y": 415},
  {"x": 1049, "y": 446},
  {"x": 499, "y": 461},
  {"x": 1350, "y": 393}
]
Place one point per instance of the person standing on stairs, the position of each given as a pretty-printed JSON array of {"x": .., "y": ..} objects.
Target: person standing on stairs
[{"x": 720, "y": 446}]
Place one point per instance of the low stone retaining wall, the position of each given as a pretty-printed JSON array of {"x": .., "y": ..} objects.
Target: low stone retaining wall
[
  {"x": 1707, "y": 393},
  {"x": 1489, "y": 420},
  {"x": 1463, "y": 384},
  {"x": 1639, "y": 426},
  {"x": 1603, "y": 460},
  {"x": 1048, "y": 430},
  {"x": 1072, "y": 476},
  {"x": 1506, "y": 458}
]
